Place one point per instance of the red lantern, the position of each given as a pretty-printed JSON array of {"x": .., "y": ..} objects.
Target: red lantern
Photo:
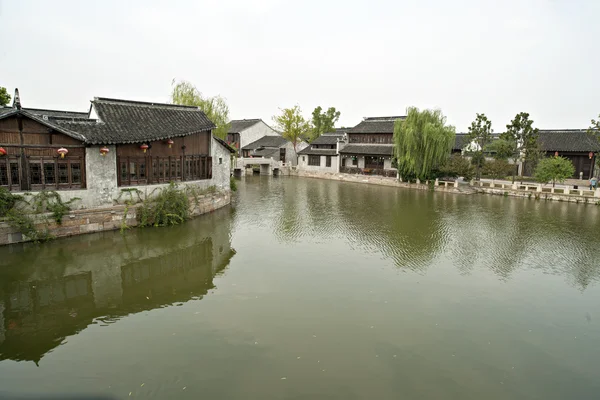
[
  {"x": 3, "y": 151},
  {"x": 144, "y": 147},
  {"x": 556, "y": 154},
  {"x": 63, "y": 152},
  {"x": 591, "y": 155},
  {"x": 170, "y": 142},
  {"x": 104, "y": 150}
]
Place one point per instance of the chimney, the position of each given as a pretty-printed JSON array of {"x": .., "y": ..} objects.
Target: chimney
[{"x": 17, "y": 100}]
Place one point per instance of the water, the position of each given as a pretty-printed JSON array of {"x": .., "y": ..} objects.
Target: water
[{"x": 313, "y": 289}]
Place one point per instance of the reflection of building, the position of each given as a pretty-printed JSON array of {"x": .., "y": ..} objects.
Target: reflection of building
[{"x": 58, "y": 296}]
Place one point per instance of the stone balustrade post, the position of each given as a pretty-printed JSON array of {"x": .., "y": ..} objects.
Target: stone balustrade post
[
  {"x": 539, "y": 188},
  {"x": 437, "y": 182},
  {"x": 455, "y": 184}
]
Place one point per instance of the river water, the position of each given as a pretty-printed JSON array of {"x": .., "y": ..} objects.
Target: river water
[{"x": 315, "y": 289}]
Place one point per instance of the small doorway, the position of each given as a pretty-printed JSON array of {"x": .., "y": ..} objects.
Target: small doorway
[{"x": 282, "y": 155}]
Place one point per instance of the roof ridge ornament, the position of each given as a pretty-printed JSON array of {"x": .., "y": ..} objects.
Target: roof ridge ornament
[{"x": 17, "y": 100}]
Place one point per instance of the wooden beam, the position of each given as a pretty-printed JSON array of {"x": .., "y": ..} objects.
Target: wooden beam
[{"x": 43, "y": 146}]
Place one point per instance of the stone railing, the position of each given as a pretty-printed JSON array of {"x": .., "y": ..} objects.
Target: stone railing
[
  {"x": 390, "y": 173},
  {"x": 539, "y": 188}
]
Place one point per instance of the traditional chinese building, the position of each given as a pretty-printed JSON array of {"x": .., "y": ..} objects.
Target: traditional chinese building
[
  {"x": 116, "y": 144},
  {"x": 370, "y": 147}
]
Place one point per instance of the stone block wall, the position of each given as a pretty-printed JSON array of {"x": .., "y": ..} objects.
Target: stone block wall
[{"x": 79, "y": 222}]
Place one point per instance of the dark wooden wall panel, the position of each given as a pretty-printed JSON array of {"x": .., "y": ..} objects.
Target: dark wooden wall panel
[{"x": 194, "y": 145}]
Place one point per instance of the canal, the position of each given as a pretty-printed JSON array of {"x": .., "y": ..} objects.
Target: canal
[{"x": 315, "y": 289}]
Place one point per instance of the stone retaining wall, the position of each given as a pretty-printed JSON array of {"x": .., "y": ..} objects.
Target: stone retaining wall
[
  {"x": 377, "y": 180},
  {"x": 79, "y": 222}
]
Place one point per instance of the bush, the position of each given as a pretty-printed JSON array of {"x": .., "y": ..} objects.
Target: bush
[
  {"x": 554, "y": 169},
  {"x": 497, "y": 169},
  {"x": 233, "y": 184},
  {"x": 457, "y": 166},
  {"x": 170, "y": 207},
  {"x": 7, "y": 201}
]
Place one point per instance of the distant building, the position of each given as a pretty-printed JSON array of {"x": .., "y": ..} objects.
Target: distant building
[
  {"x": 575, "y": 144},
  {"x": 370, "y": 147},
  {"x": 245, "y": 131},
  {"x": 275, "y": 147},
  {"x": 322, "y": 154}
]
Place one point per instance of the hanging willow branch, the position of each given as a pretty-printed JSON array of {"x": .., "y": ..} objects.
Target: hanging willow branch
[{"x": 422, "y": 142}]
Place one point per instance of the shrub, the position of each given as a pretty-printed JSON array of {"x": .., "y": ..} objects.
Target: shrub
[
  {"x": 497, "y": 169},
  {"x": 170, "y": 207},
  {"x": 233, "y": 184},
  {"x": 457, "y": 166},
  {"x": 554, "y": 169}
]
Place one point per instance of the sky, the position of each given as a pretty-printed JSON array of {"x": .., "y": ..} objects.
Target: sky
[{"x": 366, "y": 58}]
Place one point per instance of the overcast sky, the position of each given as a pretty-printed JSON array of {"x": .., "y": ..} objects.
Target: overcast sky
[{"x": 366, "y": 58}]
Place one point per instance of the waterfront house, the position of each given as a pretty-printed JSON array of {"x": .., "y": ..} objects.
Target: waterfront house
[
  {"x": 276, "y": 147},
  {"x": 322, "y": 154},
  {"x": 116, "y": 144},
  {"x": 242, "y": 132},
  {"x": 370, "y": 147},
  {"x": 575, "y": 144}
]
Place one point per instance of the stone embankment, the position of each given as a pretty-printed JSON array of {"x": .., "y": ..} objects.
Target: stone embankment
[
  {"x": 79, "y": 222},
  {"x": 530, "y": 191}
]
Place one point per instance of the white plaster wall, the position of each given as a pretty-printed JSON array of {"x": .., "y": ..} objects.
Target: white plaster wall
[
  {"x": 255, "y": 132},
  {"x": 303, "y": 164},
  {"x": 222, "y": 160},
  {"x": 387, "y": 164}
]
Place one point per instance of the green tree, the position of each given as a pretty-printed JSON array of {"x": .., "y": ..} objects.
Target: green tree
[
  {"x": 554, "y": 169},
  {"x": 500, "y": 149},
  {"x": 215, "y": 108},
  {"x": 422, "y": 142},
  {"x": 323, "y": 122},
  {"x": 522, "y": 137},
  {"x": 456, "y": 166},
  {"x": 4, "y": 96},
  {"x": 594, "y": 128},
  {"x": 480, "y": 134},
  {"x": 292, "y": 125},
  {"x": 498, "y": 169}
]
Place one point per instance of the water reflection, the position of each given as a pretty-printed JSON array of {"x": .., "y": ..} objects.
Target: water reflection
[
  {"x": 414, "y": 228},
  {"x": 49, "y": 292}
]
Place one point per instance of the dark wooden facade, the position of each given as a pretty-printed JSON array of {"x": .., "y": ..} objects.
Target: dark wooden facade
[
  {"x": 32, "y": 161},
  {"x": 185, "y": 160},
  {"x": 583, "y": 163},
  {"x": 375, "y": 138}
]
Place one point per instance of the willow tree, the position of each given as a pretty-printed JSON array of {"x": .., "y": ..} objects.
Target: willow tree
[
  {"x": 215, "y": 107},
  {"x": 422, "y": 142},
  {"x": 292, "y": 125}
]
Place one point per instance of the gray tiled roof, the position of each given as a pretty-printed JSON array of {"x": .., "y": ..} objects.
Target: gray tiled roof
[
  {"x": 7, "y": 112},
  {"x": 124, "y": 121},
  {"x": 376, "y": 125},
  {"x": 56, "y": 113},
  {"x": 368, "y": 149},
  {"x": 460, "y": 141},
  {"x": 266, "y": 141},
  {"x": 238, "y": 125},
  {"x": 224, "y": 144},
  {"x": 573, "y": 140},
  {"x": 328, "y": 138},
  {"x": 265, "y": 152},
  {"x": 317, "y": 152}
]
